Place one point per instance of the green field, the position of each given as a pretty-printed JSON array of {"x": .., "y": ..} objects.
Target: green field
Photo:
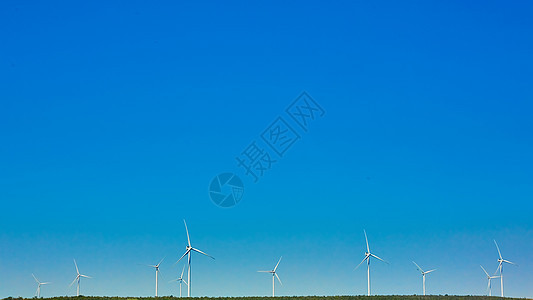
[{"x": 392, "y": 297}]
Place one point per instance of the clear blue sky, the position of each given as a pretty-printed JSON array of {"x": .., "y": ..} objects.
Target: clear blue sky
[{"x": 114, "y": 117}]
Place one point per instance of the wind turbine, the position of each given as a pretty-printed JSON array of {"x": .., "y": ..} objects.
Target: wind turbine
[
  {"x": 274, "y": 274},
  {"x": 489, "y": 287},
  {"x": 423, "y": 276},
  {"x": 500, "y": 265},
  {"x": 78, "y": 277},
  {"x": 180, "y": 279},
  {"x": 368, "y": 255},
  {"x": 38, "y": 292},
  {"x": 157, "y": 272},
  {"x": 188, "y": 252}
]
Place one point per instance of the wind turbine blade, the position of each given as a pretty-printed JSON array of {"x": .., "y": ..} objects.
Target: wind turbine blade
[
  {"x": 264, "y": 271},
  {"x": 85, "y": 276},
  {"x": 499, "y": 253},
  {"x": 160, "y": 274},
  {"x": 366, "y": 239},
  {"x": 160, "y": 261},
  {"x": 276, "y": 267},
  {"x": 430, "y": 271},
  {"x": 418, "y": 267},
  {"x": 497, "y": 269},
  {"x": 199, "y": 251},
  {"x": 485, "y": 271},
  {"x": 509, "y": 262},
  {"x": 375, "y": 256},
  {"x": 187, "y": 230},
  {"x": 278, "y": 278},
  {"x": 183, "y": 270},
  {"x": 186, "y": 252},
  {"x": 366, "y": 257},
  {"x": 77, "y": 271},
  {"x": 77, "y": 277},
  {"x": 35, "y": 278}
]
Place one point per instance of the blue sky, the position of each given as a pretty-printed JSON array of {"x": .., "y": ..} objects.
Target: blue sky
[{"x": 114, "y": 118}]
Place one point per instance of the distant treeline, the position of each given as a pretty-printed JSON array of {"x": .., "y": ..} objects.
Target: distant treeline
[{"x": 414, "y": 297}]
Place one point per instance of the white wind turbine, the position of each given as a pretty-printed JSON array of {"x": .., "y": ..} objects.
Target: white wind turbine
[
  {"x": 188, "y": 252},
  {"x": 274, "y": 274},
  {"x": 368, "y": 255},
  {"x": 500, "y": 265},
  {"x": 157, "y": 272},
  {"x": 78, "y": 277},
  {"x": 489, "y": 286},
  {"x": 423, "y": 276},
  {"x": 38, "y": 292},
  {"x": 180, "y": 279}
]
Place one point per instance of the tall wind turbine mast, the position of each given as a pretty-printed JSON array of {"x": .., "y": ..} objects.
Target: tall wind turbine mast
[
  {"x": 188, "y": 251},
  {"x": 78, "y": 278},
  {"x": 38, "y": 291},
  {"x": 274, "y": 274},
  {"x": 501, "y": 261},
  {"x": 180, "y": 279},
  {"x": 157, "y": 272},
  {"x": 489, "y": 286},
  {"x": 423, "y": 276},
  {"x": 368, "y": 255}
]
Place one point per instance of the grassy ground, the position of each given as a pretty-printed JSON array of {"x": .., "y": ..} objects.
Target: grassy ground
[{"x": 392, "y": 297}]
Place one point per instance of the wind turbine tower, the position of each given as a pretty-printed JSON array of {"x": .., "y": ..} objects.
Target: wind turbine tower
[
  {"x": 368, "y": 255},
  {"x": 78, "y": 278},
  {"x": 424, "y": 273},
  {"x": 489, "y": 286},
  {"x": 157, "y": 272},
  {"x": 501, "y": 261},
  {"x": 274, "y": 274},
  {"x": 180, "y": 279},
  {"x": 38, "y": 292},
  {"x": 188, "y": 251}
]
